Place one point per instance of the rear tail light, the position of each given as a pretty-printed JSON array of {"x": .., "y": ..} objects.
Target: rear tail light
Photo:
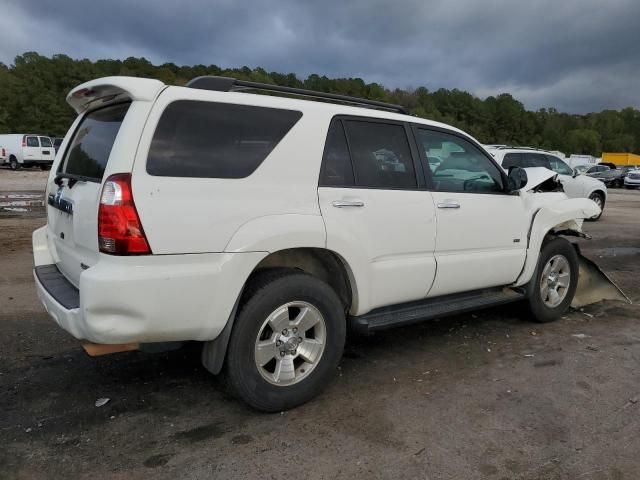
[
  {"x": 119, "y": 229},
  {"x": 24, "y": 141},
  {"x": 4, "y": 153}
]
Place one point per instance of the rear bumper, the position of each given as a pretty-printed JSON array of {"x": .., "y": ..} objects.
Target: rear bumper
[{"x": 155, "y": 298}]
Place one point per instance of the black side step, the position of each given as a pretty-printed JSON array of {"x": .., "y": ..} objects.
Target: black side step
[{"x": 414, "y": 312}]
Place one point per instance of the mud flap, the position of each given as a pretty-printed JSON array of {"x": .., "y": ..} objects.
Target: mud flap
[{"x": 594, "y": 285}]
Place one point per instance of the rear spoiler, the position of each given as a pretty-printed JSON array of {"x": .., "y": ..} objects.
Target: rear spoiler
[{"x": 107, "y": 89}]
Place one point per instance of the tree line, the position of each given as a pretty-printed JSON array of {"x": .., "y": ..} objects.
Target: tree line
[{"x": 33, "y": 91}]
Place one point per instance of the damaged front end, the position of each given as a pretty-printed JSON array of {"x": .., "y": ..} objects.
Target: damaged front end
[
  {"x": 557, "y": 215},
  {"x": 593, "y": 284}
]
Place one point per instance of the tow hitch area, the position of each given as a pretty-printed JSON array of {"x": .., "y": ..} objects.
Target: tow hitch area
[{"x": 594, "y": 285}]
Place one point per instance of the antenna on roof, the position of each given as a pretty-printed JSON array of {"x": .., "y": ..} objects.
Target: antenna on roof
[{"x": 228, "y": 84}]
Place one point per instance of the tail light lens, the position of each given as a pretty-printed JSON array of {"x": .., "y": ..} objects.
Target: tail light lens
[
  {"x": 24, "y": 141},
  {"x": 119, "y": 229}
]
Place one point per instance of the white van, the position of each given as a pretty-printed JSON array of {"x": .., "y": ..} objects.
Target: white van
[{"x": 26, "y": 150}]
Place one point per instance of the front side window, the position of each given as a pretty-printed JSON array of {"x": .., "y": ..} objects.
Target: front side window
[
  {"x": 92, "y": 142},
  {"x": 45, "y": 142},
  {"x": 32, "y": 142},
  {"x": 559, "y": 166},
  {"x": 216, "y": 140},
  {"x": 461, "y": 166},
  {"x": 380, "y": 154}
]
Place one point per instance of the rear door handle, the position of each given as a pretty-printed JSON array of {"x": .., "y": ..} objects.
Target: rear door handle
[
  {"x": 449, "y": 204},
  {"x": 347, "y": 203}
]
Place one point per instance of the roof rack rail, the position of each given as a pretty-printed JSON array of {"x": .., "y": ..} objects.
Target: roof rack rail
[
  {"x": 228, "y": 84},
  {"x": 515, "y": 147}
]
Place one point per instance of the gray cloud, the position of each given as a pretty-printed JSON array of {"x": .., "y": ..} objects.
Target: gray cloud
[{"x": 575, "y": 55}]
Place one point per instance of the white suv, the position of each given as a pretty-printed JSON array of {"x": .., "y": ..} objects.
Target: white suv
[
  {"x": 574, "y": 185},
  {"x": 265, "y": 226}
]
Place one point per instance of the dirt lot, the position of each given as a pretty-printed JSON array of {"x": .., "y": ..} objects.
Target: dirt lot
[
  {"x": 25, "y": 179},
  {"x": 483, "y": 395}
]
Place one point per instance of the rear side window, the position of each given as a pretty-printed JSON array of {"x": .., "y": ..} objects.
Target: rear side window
[
  {"x": 514, "y": 160},
  {"x": 380, "y": 154},
  {"x": 45, "y": 141},
  {"x": 337, "y": 170},
  {"x": 216, "y": 140},
  {"x": 32, "y": 142},
  {"x": 525, "y": 160},
  {"x": 92, "y": 142}
]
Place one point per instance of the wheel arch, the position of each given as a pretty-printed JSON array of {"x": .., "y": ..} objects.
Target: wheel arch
[
  {"x": 562, "y": 218},
  {"x": 322, "y": 263}
]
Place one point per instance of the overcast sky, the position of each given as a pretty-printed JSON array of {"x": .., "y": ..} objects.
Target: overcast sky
[{"x": 575, "y": 55}]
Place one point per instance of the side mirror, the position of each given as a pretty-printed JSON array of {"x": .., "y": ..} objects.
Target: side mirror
[{"x": 517, "y": 179}]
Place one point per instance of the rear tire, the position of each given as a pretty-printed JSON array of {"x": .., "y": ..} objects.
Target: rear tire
[
  {"x": 557, "y": 271},
  {"x": 598, "y": 198},
  {"x": 287, "y": 340},
  {"x": 45, "y": 167},
  {"x": 13, "y": 163}
]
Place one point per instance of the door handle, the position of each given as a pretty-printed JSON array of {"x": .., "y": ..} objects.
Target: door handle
[
  {"x": 449, "y": 204},
  {"x": 347, "y": 203}
]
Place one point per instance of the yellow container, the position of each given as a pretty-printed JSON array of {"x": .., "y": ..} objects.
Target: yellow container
[{"x": 621, "y": 158}]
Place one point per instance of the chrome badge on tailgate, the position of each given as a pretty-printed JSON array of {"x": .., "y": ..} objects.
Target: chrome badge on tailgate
[{"x": 59, "y": 202}]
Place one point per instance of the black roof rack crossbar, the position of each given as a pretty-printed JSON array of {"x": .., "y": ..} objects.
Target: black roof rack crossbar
[{"x": 227, "y": 84}]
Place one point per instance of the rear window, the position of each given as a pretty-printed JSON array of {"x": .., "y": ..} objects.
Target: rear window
[
  {"x": 92, "y": 142},
  {"x": 216, "y": 140},
  {"x": 45, "y": 141}
]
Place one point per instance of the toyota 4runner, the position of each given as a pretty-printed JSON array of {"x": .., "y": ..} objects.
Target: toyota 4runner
[{"x": 266, "y": 226}]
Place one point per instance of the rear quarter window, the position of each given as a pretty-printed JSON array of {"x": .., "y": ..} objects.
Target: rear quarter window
[{"x": 216, "y": 140}]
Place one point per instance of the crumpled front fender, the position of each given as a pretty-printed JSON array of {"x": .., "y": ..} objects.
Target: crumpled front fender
[{"x": 558, "y": 216}]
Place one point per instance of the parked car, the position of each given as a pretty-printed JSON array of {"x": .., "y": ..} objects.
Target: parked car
[
  {"x": 264, "y": 226},
  {"x": 632, "y": 179},
  {"x": 575, "y": 186},
  {"x": 56, "y": 143},
  {"x": 26, "y": 150},
  {"x": 611, "y": 177},
  {"x": 597, "y": 169}
]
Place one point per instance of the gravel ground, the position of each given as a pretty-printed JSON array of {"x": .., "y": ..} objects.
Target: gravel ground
[
  {"x": 21, "y": 180},
  {"x": 483, "y": 395}
]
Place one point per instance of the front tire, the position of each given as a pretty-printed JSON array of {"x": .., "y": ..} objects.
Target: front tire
[
  {"x": 287, "y": 340},
  {"x": 554, "y": 282},
  {"x": 598, "y": 199}
]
